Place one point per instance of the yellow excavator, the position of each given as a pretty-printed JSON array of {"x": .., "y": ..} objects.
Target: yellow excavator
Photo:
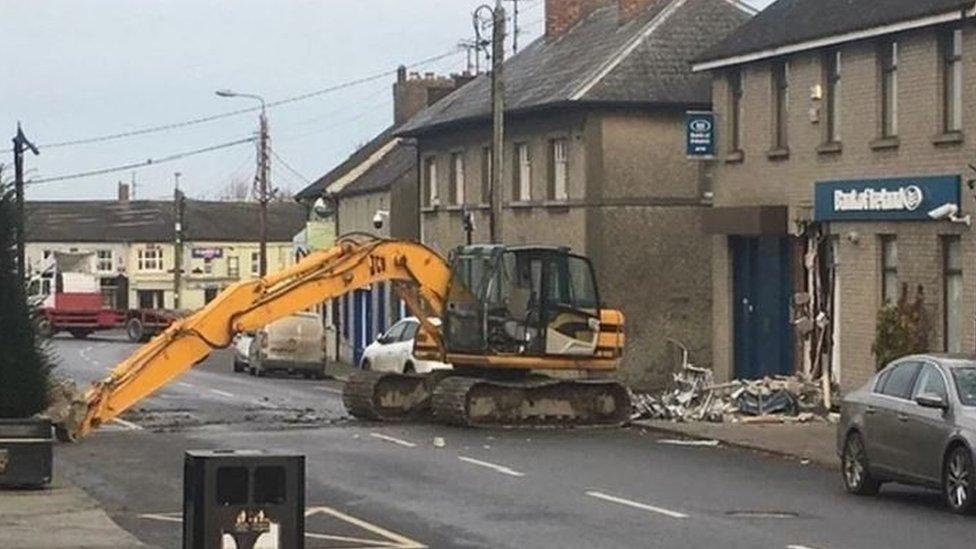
[{"x": 523, "y": 328}]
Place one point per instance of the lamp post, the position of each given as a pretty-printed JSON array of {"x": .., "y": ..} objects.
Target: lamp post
[{"x": 264, "y": 168}]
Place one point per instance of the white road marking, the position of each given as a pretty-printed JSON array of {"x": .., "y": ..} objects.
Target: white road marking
[
  {"x": 128, "y": 424},
  {"x": 185, "y": 384},
  {"x": 798, "y": 547},
  {"x": 394, "y": 440},
  {"x": 680, "y": 442},
  {"x": 369, "y": 543},
  {"x": 165, "y": 517},
  {"x": 637, "y": 505},
  {"x": 400, "y": 541},
  {"x": 330, "y": 390},
  {"x": 222, "y": 393},
  {"x": 500, "y": 468}
]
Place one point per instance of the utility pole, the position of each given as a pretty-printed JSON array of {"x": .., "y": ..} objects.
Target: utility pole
[
  {"x": 20, "y": 142},
  {"x": 515, "y": 26},
  {"x": 264, "y": 167},
  {"x": 179, "y": 201},
  {"x": 263, "y": 190},
  {"x": 498, "y": 120}
]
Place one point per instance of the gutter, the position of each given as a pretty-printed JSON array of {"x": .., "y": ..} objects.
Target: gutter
[{"x": 834, "y": 40}]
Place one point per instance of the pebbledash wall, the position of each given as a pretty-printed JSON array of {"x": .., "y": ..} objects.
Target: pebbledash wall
[{"x": 771, "y": 193}]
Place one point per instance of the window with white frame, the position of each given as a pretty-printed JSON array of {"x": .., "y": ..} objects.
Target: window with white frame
[
  {"x": 560, "y": 163},
  {"x": 457, "y": 178},
  {"x": 952, "y": 80},
  {"x": 430, "y": 177},
  {"x": 889, "y": 89},
  {"x": 523, "y": 173},
  {"x": 233, "y": 267},
  {"x": 486, "y": 162},
  {"x": 150, "y": 259},
  {"x": 255, "y": 263},
  {"x": 106, "y": 263}
]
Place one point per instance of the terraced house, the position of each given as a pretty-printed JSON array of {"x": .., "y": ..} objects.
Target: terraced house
[
  {"x": 847, "y": 128},
  {"x": 593, "y": 159}
]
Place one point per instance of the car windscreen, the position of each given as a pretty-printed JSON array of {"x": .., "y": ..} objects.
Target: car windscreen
[{"x": 966, "y": 385}]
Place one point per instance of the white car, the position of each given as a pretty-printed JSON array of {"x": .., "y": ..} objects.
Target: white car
[{"x": 393, "y": 351}]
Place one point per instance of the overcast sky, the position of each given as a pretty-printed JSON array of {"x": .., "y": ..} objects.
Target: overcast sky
[{"x": 77, "y": 69}]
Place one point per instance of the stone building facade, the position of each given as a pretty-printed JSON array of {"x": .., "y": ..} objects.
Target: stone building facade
[
  {"x": 593, "y": 160},
  {"x": 854, "y": 131}
]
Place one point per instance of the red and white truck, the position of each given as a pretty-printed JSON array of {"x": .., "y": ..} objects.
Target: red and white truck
[{"x": 68, "y": 298}]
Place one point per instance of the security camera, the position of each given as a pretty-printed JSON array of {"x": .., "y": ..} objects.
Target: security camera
[
  {"x": 944, "y": 211},
  {"x": 950, "y": 212},
  {"x": 378, "y": 218},
  {"x": 321, "y": 207}
]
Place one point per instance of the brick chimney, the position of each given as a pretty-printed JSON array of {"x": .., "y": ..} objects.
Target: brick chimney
[
  {"x": 123, "y": 192},
  {"x": 562, "y": 15},
  {"x": 629, "y": 9},
  {"x": 414, "y": 92}
]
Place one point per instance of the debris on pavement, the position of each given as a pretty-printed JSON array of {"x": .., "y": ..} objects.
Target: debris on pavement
[
  {"x": 439, "y": 442},
  {"x": 694, "y": 396}
]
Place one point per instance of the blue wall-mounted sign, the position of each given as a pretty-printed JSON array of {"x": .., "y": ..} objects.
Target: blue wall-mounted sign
[
  {"x": 893, "y": 199},
  {"x": 700, "y": 134}
]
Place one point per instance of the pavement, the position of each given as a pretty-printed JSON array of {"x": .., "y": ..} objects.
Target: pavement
[
  {"x": 808, "y": 442},
  {"x": 390, "y": 485},
  {"x": 60, "y": 516}
]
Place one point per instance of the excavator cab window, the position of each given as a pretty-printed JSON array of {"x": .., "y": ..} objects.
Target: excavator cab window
[{"x": 526, "y": 301}]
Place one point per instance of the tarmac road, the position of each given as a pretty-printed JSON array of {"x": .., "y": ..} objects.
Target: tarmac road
[{"x": 371, "y": 485}]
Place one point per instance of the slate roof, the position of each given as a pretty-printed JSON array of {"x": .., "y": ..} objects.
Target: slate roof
[
  {"x": 788, "y": 22},
  {"x": 153, "y": 221},
  {"x": 400, "y": 162},
  {"x": 360, "y": 155},
  {"x": 645, "y": 61}
]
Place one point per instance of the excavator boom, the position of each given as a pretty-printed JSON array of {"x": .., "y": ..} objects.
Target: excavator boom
[{"x": 355, "y": 262}]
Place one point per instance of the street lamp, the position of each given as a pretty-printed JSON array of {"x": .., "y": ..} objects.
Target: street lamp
[{"x": 264, "y": 168}]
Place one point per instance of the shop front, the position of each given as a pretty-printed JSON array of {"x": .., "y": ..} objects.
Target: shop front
[{"x": 889, "y": 238}]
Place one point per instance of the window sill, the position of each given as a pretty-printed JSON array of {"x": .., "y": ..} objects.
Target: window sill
[
  {"x": 781, "y": 153},
  {"x": 559, "y": 204},
  {"x": 429, "y": 209},
  {"x": 949, "y": 138},
  {"x": 834, "y": 147},
  {"x": 521, "y": 204},
  {"x": 883, "y": 143},
  {"x": 735, "y": 157},
  {"x": 454, "y": 208}
]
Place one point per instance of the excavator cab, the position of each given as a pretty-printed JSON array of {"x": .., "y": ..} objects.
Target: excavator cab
[{"x": 530, "y": 301}]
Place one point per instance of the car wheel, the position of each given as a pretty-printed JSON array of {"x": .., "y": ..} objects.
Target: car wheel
[
  {"x": 238, "y": 366},
  {"x": 135, "y": 330},
  {"x": 409, "y": 368},
  {"x": 957, "y": 481},
  {"x": 854, "y": 465}
]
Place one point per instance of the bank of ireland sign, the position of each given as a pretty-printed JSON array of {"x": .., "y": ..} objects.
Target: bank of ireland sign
[
  {"x": 902, "y": 198},
  {"x": 700, "y": 134}
]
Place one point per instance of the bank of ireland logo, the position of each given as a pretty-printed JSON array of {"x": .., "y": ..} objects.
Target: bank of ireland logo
[
  {"x": 701, "y": 125},
  {"x": 913, "y": 197}
]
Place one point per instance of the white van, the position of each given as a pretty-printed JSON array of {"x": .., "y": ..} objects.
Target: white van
[{"x": 294, "y": 344}]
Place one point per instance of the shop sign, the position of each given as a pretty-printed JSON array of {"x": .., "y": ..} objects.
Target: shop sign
[
  {"x": 700, "y": 134},
  {"x": 895, "y": 199},
  {"x": 208, "y": 253}
]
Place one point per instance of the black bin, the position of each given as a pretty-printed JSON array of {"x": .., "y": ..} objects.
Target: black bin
[
  {"x": 25, "y": 452},
  {"x": 244, "y": 496}
]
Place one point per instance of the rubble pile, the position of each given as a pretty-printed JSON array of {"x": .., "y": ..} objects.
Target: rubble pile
[{"x": 695, "y": 397}]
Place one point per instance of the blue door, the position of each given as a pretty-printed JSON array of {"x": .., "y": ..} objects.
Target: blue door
[
  {"x": 762, "y": 291},
  {"x": 362, "y": 322}
]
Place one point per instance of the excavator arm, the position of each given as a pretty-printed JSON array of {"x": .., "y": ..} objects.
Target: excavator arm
[{"x": 355, "y": 262}]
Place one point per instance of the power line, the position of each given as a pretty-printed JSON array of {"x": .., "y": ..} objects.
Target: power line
[
  {"x": 228, "y": 114},
  {"x": 145, "y": 163},
  {"x": 289, "y": 168}
]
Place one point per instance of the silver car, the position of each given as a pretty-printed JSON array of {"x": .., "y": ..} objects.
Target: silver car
[{"x": 915, "y": 423}]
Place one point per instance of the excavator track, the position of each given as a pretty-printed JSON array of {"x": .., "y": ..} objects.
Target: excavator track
[
  {"x": 386, "y": 396},
  {"x": 479, "y": 402}
]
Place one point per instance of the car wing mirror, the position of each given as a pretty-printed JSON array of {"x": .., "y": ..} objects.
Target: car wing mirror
[{"x": 931, "y": 400}]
